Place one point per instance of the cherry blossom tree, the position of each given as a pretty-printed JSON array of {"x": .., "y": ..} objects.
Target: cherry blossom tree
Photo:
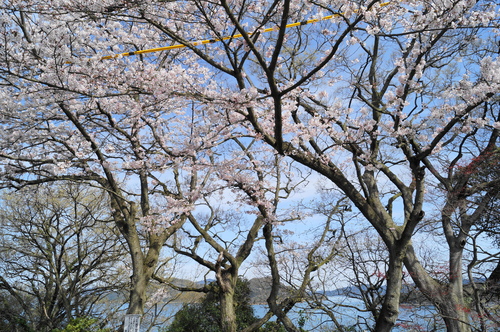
[
  {"x": 408, "y": 81},
  {"x": 66, "y": 117},
  {"x": 299, "y": 262},
  {"x": 223, "y": 235},
  {"x": 382, "y": 99}
]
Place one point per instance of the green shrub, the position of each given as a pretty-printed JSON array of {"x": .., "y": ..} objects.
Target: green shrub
[
  {"x": 206, "y": 316},
  {"x": 82, "y": 324}
]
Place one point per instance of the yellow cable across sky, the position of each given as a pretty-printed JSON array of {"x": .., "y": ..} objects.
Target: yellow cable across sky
[{"x": 210, "y": 41}]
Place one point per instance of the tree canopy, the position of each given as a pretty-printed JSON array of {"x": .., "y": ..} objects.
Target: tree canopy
[{"x": 392, "y": 105}]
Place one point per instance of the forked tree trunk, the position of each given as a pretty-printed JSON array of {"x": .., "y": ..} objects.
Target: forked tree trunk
[
  {"x": 125, "y": 222},
  {"x": 448, "y": 298},
  {"x": 143, "y": 267}
]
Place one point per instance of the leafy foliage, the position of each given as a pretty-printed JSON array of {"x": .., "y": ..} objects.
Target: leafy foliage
[
  {"x": 384, "y": 100},
  {"x": 58, "y": 256},
  {"x": 83, "y": 324},
  {"x": 12, "y": 315},
  {"x": 206, "y": 316}
]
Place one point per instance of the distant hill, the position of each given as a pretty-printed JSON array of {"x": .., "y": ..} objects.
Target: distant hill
[
  {"x": 260, "y": 289},
  {"x": 175, "y": 295}
]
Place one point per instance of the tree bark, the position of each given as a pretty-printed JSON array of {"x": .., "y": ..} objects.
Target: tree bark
[
  {"x": 272, "y": 300},
  {"x": 454, "y": 313},
  {"x": 448, "y": 298},
  {"x": 139, "y": 279},
  {"x": 227, "y": 306},
  {"x": 494, "y": 277},
  {"x": 390, "y": 309},
  {"x": 453, "y": 309}
]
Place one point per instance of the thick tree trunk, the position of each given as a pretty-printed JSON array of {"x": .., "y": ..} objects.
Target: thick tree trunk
[
  {"x": 448, "y": 298},
  {"x": 125, "y": 222},
  {"x": 227, "y": 305},
  {"x": 138, "y": 287},
  {"x": 452, "y": 308},
  {"x": 139, "y": 280},
  {"x": 454, "y": 313},
  {"x": 493, "y": 280},
  {"x": 143, "y": 267},
  {"x": 390, "y": 308}
]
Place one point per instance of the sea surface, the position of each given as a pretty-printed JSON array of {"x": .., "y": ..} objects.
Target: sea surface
[
  {"x": 411, "y": 318},
  {"x": 346, "y": 313}
]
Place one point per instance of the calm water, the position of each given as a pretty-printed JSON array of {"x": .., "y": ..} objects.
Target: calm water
[{"x": 411, "y": 319}]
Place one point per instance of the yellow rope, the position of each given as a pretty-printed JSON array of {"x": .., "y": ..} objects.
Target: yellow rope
[{"x": 210, "y": 41}]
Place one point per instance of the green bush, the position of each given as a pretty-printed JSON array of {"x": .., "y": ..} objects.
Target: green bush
[
  {"x": 82, "y": 324},
  {"x": 272, "y": 327},
  {"x": 206, "y": 316}
]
